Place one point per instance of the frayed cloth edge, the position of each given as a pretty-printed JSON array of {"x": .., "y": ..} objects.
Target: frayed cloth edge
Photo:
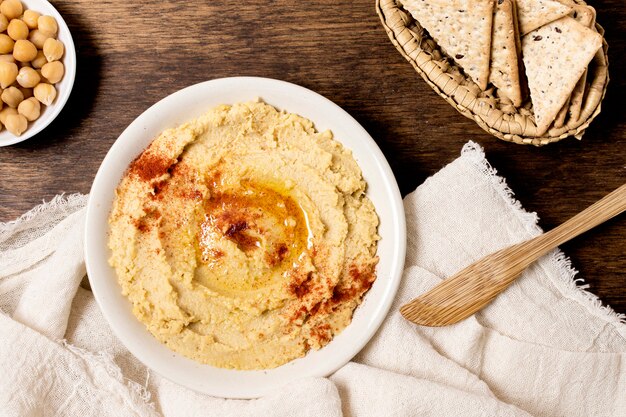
[
  {"x": 572, "y": 287},
  {"x": 59, "y": 201},
  {"x": 138, "y": 397}
]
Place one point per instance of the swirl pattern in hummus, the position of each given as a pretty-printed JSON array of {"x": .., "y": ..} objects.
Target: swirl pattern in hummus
[{"x": 244, "y": 237}]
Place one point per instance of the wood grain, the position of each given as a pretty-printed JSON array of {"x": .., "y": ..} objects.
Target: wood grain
[{"x": 131, "y": 55}]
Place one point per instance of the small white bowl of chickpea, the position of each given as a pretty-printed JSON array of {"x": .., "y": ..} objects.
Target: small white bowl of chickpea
[{"x": 37, "y": 67}]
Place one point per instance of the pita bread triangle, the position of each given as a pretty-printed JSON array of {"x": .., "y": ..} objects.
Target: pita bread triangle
[
  {"x": 504, "y": 71},
  {"x": 559, "y": 120},
  {"x": 555, "y": 57},
  {"x": 533, "y": 14},
  {"x": 585, "y": 15},
  {"x": 462, "y": 28}
]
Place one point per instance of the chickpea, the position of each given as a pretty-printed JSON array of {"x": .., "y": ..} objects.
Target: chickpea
[
  {"x": 7, "y": 111},
  {"x": 39, "y": 61},
  {"x": 17, "y": 29},
  {"x": 53, "y": 71},
  {"x": 52, "y": 49},
  {"x": 45, "y": 93},
  {"x": 12, "y": 9},
  {"x": 25, "y": 51},
  {"x": 6, "y": 44},
  {"x": 30, "y": 18},
  {"x": 8, "y": 58},
  {"x": 43, "y": 79},
  {"x": 30, "y": 108},
  {"x": 47, "y": 25},
  {"x": 29, "y": 78},
  {"x": 4, "y": 23},
  {"x": 16, "y": 124},
  {"x": 37, "y": 38},
  {"x": 12, "y": 96},
  {"x": 8, "y": 73}
]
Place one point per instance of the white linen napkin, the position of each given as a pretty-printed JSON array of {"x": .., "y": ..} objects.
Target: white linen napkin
[{"x": 545, "y": 347}]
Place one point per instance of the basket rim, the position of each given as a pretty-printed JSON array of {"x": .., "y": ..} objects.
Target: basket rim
[{"x": 511, "y": 127}]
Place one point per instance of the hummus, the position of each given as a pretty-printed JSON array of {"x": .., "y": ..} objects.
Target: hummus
[{"x": 244, "y": 238}]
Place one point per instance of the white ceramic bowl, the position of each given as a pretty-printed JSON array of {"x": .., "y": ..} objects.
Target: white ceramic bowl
[
  {"x": 64, "y": 87},
  {"x": 189, "y": 103}
]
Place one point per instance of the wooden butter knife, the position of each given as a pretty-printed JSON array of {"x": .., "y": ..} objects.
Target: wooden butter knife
[{"x": 472, "y": 288}]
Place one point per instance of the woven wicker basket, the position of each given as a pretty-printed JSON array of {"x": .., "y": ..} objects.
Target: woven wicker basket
[{"x": 496, "y": 116}]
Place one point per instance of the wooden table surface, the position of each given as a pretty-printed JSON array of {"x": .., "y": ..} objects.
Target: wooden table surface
[{"x": 132, "y": 54}]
